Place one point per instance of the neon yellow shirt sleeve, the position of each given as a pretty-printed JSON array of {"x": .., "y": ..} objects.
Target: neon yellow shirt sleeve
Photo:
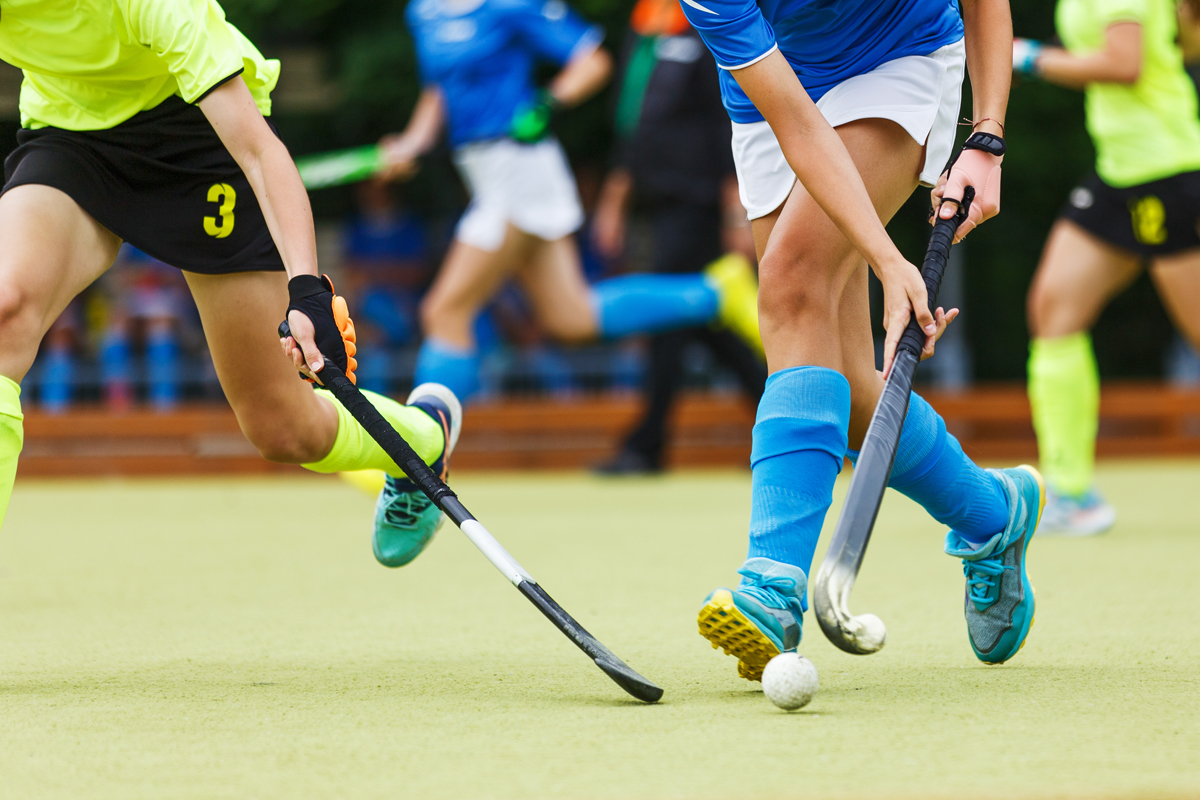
[{"x": 191, "y": 37}]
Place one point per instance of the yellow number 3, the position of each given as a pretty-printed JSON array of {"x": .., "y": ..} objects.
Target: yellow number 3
[{"x": 224, "y": 194}]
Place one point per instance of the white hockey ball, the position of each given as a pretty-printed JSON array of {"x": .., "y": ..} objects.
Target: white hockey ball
[{"x": 790, "y": 681}]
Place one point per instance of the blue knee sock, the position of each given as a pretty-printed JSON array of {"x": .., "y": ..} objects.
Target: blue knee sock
[
  {"x": 932, "y": 469},
  {"x": 454, "y": 367},
  {"x": 652, "y": 303},
  {"x": 799, "y": 444}
]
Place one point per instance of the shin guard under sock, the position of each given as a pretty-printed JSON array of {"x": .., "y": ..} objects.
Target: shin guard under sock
[
  {"x": 932, "y": 469},
  {"x": 456, "y": 368},
  {"x": 12, "y": 437},
  {"x": 354, "y": 449},
  {"x": 652, "y": 304},
  {"x": 799, "y": 444},
  {"x": 1064, "y": 393}
]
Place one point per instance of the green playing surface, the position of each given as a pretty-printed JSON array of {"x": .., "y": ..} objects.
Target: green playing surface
[{"x": 215, "y": 638}]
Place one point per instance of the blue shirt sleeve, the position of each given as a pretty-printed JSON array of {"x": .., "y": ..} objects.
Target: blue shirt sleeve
[
  {"x": 734, "y": 30},
  {"x": 551, "y": 29}
]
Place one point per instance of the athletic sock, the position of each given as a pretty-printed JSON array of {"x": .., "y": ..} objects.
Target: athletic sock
[
  {"x": 12, "y": 437},
  {"x": 653, "y": 303},
  {"x": 1064, "y": 392},
  {"x": 354, "y": 449},
  {"x": 799, "y": 443},
  {"x": 456, "y": 368},
  {"x": 931, "y": 468}
]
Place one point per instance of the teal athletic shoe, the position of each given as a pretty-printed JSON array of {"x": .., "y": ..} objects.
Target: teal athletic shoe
[
  {"x": 1000, "y": 601},
  {"x": 761, "y": 618},
  {"x": 405, "y": 519}
]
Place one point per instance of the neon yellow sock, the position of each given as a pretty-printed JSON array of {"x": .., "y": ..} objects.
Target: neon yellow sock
[
  {"x": 12, "y": 437},
  {"x": 355, "y": 449},
  {"x": 1064, "y": 391}
]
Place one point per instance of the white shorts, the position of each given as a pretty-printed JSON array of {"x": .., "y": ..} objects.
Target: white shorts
[
  {"x": 922, "y": 94},
  {"x": 529, "y": 185}
]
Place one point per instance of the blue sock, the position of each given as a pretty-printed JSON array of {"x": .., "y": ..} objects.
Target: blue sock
[
  {"x": 652, "y": 304},
  {"x": 799, "y": 444},
  {"x": 454, "y": 367},
  {"x": 932, "y": 469},
  {"x": 162, "y": 368}
]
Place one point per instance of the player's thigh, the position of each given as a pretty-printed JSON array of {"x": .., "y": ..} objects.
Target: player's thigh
[
  {"x": 561, "y": 298},
  {"x": 807, "y": 261},
  {"x": 470, "y": 276},
  {"x": 1077, "y": 276},
  {"x": 50, "y": 250},
  {"x": 1177, "y": 278},
  {"x": 278, "y": 412}
]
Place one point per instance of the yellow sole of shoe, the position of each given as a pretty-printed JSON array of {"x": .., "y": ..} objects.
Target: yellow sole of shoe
[{"x": 728, "y": 629}]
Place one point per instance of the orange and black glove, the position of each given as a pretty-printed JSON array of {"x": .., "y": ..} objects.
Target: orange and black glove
[{"x": 314, "y": 298}]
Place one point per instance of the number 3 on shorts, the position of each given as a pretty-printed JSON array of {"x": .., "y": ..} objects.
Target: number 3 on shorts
[{"x": 224, "y": 194}]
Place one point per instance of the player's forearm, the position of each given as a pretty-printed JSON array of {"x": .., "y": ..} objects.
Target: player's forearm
[
  {"x": 426, "y": 123},
  {"x": 988, "y": 28},
  {"x": 818, "y": 157},
  {"x": 269, "y": 169},
  {"x": 284, "y": 202},
  {"x": 582, "y": 77},
  {"x": 1119, "y": 62},
  {"x": 616, "y": 191}
]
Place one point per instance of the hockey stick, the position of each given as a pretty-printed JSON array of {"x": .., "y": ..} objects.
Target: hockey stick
[
  {"x": 338, "y": 167},
  {"x": 866, "y": 633},
  {"x": 445, "y": 499}
]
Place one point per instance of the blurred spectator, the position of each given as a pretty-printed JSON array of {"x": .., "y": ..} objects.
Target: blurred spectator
[
  {"x": 674, "y": 163},
  {"x": 59, "y": 360},
  {"x": 153, "y": 299},
  {"x": 386, "y": 266}
]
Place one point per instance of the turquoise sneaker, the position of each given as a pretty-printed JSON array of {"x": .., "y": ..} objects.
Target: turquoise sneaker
[
  {"x": 405, "y": 519},
  {"x": 1000, "y": 600},
  {"x": 761, "y": 618}
]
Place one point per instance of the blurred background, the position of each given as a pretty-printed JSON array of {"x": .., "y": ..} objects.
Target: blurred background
[{"x": 131, "y": 352}]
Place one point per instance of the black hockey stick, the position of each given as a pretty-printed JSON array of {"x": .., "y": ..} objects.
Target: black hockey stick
[
  {"x": 444, "y": 498},
  {"x": 866, "y": 633}
]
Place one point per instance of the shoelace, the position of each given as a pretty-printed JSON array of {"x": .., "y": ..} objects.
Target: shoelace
[
  {"x": 979, "y": 578},
  {"x": 760, "y": 589},
  {"x": 404, "y": 508}
]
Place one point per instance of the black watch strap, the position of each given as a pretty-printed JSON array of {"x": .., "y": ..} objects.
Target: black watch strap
[{"x": 988, "y": 143}]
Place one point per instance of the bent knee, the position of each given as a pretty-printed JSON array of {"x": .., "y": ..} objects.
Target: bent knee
[
  {"x": 792, "y": 289},
  {"x": 282, "y": 444}
]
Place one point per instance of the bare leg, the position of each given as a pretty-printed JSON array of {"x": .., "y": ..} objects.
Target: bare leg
[
  {"x": 279, "y": 413},
  {"x": 52, "y": 250},
  {"x": 553, "y": 280},
  {"x": 1178, "y": 280},
  {"x": 813, "y": 304},
  {"x": 468, "y": 279},
  {"x": 1076, "y": 278}
]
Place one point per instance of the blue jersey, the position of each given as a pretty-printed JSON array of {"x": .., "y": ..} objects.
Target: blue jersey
[
  {"x": 825, "y": 41},
  {"x": 481, "y": 54}
]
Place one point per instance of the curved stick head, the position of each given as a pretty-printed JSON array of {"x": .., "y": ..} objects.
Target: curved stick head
[{"x": 860, "y": 635}]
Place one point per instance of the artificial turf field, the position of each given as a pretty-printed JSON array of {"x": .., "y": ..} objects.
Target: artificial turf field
[{"x": 216, "y": 638}]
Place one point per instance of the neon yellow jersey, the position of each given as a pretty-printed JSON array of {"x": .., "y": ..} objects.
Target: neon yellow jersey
[
  {"x": 1146, "y": 130},
  {"x": 92, "y": 64}
]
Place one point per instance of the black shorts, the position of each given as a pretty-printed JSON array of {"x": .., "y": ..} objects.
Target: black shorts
[
  {"x": 162, "y": 181},
  {"x": 1151, "y": 219}
]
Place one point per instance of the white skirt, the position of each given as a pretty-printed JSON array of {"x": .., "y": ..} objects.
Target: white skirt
[
  {"x": 922, "y": 94},
  {"x": 528, "y": 185}
]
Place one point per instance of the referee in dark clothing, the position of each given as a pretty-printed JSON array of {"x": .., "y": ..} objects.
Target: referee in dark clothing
[{"x": 673, "y": 164}]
